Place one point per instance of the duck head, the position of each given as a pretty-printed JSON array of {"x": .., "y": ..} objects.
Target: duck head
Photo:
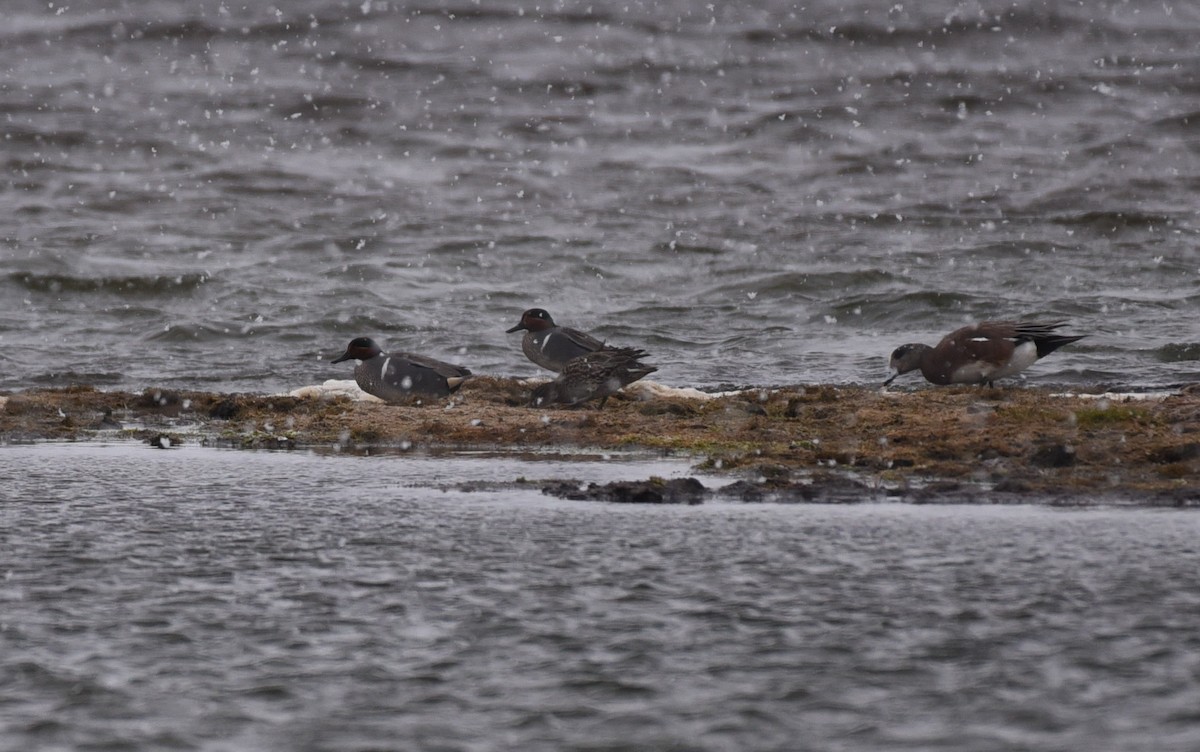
[
  {"x": 360, "y": 348},
  {"x": 533, "y": 320},
  {"x": 905, "y": 358}
]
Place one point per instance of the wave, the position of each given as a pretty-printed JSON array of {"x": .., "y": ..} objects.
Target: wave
[
  {"x": 17, "y": 135},
  {"x": 327, "y": 106},
  {"x": 909, "y": 28},
  {"x": 125, "y": 285},
  {"x": 1187, "y": 123},
  {"x": 1177, "y": 352},
  {"x": 1112, "y": 221},
  {"x": 105, "y": 27},
  {"x": 67, "y": 378}
]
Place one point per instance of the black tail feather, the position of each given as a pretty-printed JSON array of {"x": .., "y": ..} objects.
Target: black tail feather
[
  {"x": 1047, "y": 344},
  {"x": 1041, "y": 333}
]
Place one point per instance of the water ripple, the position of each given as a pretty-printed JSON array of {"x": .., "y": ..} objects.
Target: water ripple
[
  {"x": 744, "y": 188},
  {"x": 131, "y": 286},
  {"x": 150, "y": 615}
]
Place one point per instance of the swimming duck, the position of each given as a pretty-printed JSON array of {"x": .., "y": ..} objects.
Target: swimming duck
[
  {"x": 981, "y": 353},
  {"x": 398, "y": 376},
  {"x": 550, "y": 345},
  {"x": 595, "y": 375}
]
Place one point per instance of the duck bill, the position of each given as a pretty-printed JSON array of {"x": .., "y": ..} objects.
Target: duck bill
[
  {"x": 516, "y": 328},
  {"x": 890, "y": 379},
  {"x": 344, "y": 356}
]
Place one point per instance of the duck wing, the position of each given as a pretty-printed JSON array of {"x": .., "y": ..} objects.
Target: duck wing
[{"x": 440, "y": 367}]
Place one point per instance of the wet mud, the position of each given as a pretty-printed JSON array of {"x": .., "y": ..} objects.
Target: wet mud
[{"x": 804, "y": 443}]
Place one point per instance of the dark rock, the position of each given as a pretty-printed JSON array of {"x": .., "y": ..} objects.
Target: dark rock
[
  {"x": 937, "y": 492},
  {"x": 1178, "y": 497},
  {"x": 1012, "y": 485},
  {"x": 772, "y": 472},
  {"x": 821, "y": 488},
  {"x": 1053, "y": 455},
  {"x": 937, "y": 452},
  {"x": 1171, "y": 454},
  {"x": 652, "y": 491},
  {"x": 744, "y": 490},
  {"x": 226, "y": 409}
]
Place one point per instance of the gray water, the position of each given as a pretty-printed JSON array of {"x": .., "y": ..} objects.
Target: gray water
[
  {"x": 222, "y": 600},
  {"x": 219, "y": 195}
]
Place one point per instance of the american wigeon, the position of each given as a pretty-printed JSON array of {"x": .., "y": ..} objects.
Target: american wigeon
[{"x": 982, "y": 353}]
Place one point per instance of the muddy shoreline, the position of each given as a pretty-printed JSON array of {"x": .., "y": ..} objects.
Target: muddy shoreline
[{"x": 812, "y": 443}]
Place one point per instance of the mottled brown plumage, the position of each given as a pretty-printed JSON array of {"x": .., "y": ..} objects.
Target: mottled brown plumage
[{"x": 592, "y": 376}]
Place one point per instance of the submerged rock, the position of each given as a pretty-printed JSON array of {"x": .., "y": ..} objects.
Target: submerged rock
[
  {"x": 820, "y": 488},
  {"x": 652, "y": 491}
]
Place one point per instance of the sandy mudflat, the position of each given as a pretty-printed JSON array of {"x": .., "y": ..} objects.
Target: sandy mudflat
[{"x": 810, "y": 442}]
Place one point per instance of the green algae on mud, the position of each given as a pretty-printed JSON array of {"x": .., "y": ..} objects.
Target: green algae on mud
[{"x": 1005, "y": 444}]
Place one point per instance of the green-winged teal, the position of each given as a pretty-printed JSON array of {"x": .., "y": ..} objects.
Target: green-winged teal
[
  {"x": 596, "y": 375},
  {"x": 398, "y": 376},
  {"x": 549, "y": 345}
]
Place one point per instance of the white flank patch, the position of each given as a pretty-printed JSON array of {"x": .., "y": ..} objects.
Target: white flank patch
[
  {"x": 546, "y": 341},
  {"x": 1023, "y": 356},
  {"x": 973, "y": 373}
]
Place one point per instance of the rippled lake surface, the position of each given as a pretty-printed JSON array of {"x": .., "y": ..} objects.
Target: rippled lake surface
[
  {"x": 221, "y": 600},
  {"x": 219, "y": 195}
]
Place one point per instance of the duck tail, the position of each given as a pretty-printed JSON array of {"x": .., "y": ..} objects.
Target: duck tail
[
  {"x": 1051, "y": 342},
  {"x": 1041, "y": 333}
]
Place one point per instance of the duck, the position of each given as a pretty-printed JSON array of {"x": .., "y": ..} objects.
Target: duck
[
  {"x": 549, "y": 345},
  {"x": 398, "y": 376},
  {"x": 594, "y": 375},
  {"x": 981, "y": 353}
]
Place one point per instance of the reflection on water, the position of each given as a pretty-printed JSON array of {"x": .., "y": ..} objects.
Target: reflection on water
[{"x": 196, "y": 598}]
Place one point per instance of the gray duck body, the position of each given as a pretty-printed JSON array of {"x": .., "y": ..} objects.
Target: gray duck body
[
  {"x": 549, "y": 345},
  {"x": 399, "y": 376}
]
